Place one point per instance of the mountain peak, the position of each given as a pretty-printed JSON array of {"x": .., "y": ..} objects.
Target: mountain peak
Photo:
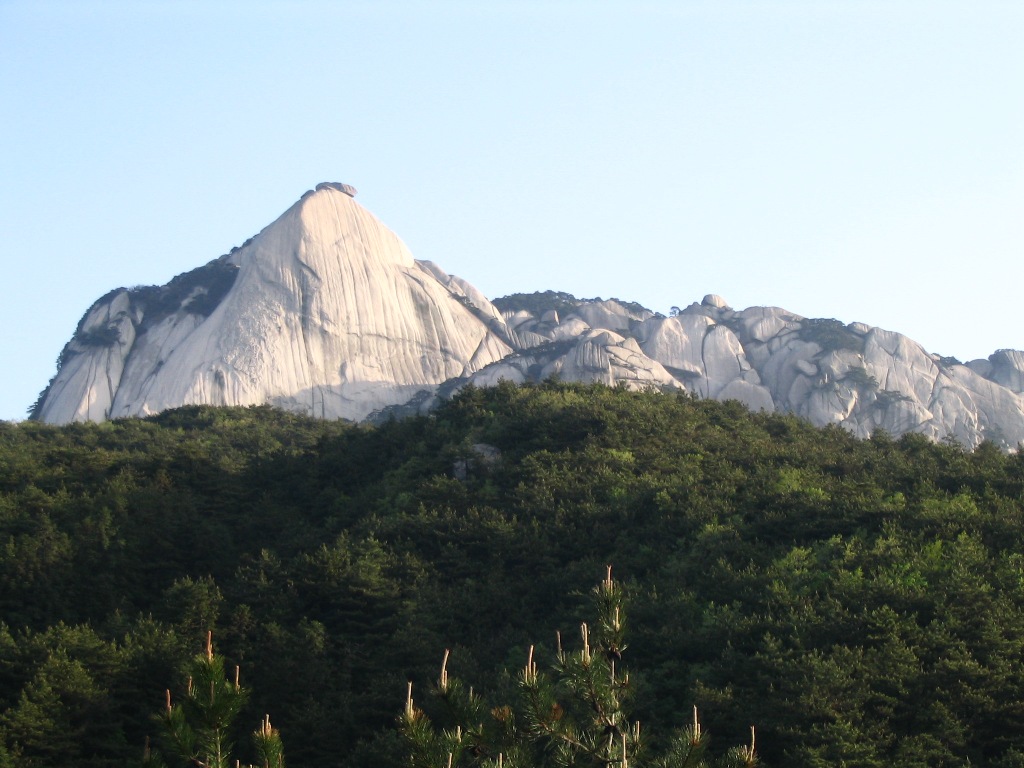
[
  {"x": 326, "y": 312},
  {"x": 348, "y": 189}
]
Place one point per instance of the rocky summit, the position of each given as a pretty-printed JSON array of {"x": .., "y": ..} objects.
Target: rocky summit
[{"x": 326, "y": 312}]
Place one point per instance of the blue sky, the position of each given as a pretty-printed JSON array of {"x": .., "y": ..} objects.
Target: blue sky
[{"x": 859, "y": 160}]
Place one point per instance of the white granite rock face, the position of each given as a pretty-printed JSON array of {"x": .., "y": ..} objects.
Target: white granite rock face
[
  {"x": 93, "y": 364},
  {"x": 854, "y": 375},
  {"x": 707, "y": 358},
  {"x": 326, "y": 312},
  {"x": 329, "y": 315},
  {"x": 606, "y": 357},
  {"x": 1008, "y": 369}
]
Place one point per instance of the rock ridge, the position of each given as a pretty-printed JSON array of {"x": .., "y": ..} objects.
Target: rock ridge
[{"x": 326, "y": 312}]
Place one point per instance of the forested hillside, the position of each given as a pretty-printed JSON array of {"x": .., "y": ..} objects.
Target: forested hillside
[{"x": 860, "y": 601}]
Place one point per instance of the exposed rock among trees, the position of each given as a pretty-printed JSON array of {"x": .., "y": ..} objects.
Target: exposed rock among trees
[{"x": 326, "y": 312}]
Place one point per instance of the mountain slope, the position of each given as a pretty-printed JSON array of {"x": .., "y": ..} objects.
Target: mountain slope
[
  {"x": 325, "y": 312},
  {"x": 860, "y": 601}
]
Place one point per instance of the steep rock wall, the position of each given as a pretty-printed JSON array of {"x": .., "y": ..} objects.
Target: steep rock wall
[{"x": 329, "y": 314}]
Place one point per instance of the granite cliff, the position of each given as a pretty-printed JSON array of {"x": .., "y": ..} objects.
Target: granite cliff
[
  {"x": 854, "y": 375},
  {"x": 326, "y": 312}
]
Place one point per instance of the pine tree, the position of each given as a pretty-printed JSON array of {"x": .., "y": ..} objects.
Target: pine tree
[
  {"x": 198, "y": 730},
  {"x": 575, "y": 716}
]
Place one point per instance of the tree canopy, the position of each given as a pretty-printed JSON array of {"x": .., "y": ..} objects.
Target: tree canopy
[{"x": 860, "y": 601}]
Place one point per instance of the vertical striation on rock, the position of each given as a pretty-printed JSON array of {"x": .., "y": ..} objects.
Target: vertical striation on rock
[{"x": 328, "y": 314}]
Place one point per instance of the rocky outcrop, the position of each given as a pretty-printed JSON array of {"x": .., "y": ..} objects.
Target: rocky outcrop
[
  {"x": 326, "y": 312},
  {"x": 859, "y": 377},
  {"x": 1004, "y": 367}
]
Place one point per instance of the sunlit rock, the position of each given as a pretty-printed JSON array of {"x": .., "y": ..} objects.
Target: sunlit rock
[
  {"x": 325, "y": 312},
  {"x": 328, "y": 315}
]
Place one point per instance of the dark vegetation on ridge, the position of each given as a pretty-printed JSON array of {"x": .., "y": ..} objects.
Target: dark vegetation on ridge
[
  {"x": 197, "y": 292},
  {"x": 861, "y": 602},
  {"x": 540, "y": 302}
]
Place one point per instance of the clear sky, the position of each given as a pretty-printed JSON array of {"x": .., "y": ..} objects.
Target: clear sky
[{"x": 851, "y": 159}]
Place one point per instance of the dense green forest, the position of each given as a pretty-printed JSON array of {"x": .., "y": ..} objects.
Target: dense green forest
[{"x": 860, "y": 601}]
